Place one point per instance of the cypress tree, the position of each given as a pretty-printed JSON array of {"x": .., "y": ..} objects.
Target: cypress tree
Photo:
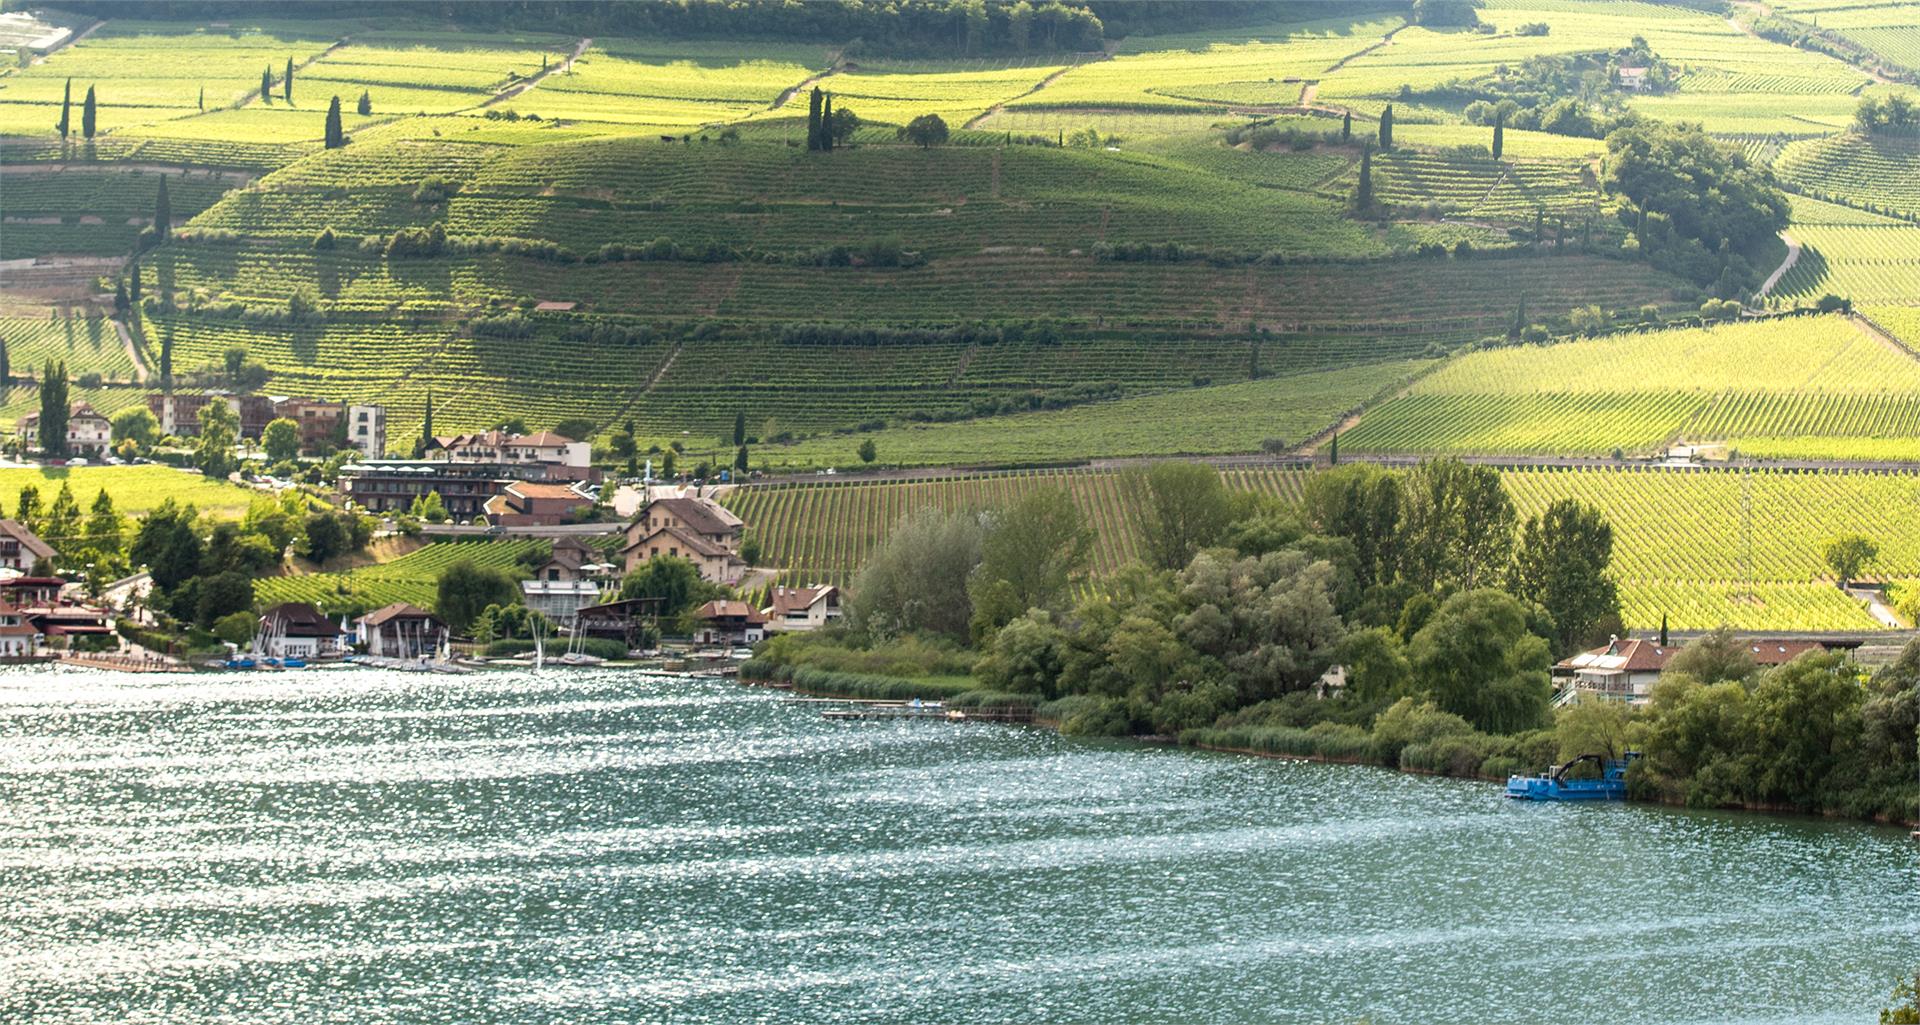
[
  {"x": 6, "y": 366},
  {"x": 1499, "y": 138},
  {"x": 739, "y": 429},
  {"x": 66, "y": 110},
  {"x": 87, "y": 115},
  {"x": 286, "y": 82},
  {"x": 426, "y": 427},
  {"x": 1346, "y": 127},
  {"x": 120, "y": 298},
  {"x": 336, "y": 136},
  {"x": 203, "y": 106},
  {"x": 1386, "y": 127},
  {"x": 1663, "y": 629},
  {"x": 813, "y": 119},
  {"x": 1519, "y": 318},
  {"x": 366, "y": 104},
  {"x": 1363, "y": 195},
  {"x": 740, "y": 459},
  {"x": 266, "y": 85},
  {"x": 1539, "y": 225},
  {"x": 1333, "y": 451},
  {"x": 162, "y": 212},
  {"x": 826, "y": 122},
  {"x": 133, "y": 287}
]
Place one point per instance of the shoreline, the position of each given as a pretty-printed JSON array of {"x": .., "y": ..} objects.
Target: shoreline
[{"x": 1777, "y": 811}]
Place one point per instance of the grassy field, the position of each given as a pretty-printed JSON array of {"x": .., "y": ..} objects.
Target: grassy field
[
  {"x": 135, "y": 489},
  {"x": 1811, "y": 387},
  {"x": 1680, "y": 538}
]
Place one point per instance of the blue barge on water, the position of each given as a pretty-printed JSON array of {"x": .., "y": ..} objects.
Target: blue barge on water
[{"x": 1559, "y": 784}]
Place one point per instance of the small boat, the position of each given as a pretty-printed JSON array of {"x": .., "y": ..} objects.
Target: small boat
[{"x": 1559, "y": 784}]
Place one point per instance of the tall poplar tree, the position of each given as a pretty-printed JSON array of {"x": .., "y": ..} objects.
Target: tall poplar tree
[
  {"x": 53, "y": 410},
  {"x": 87, "y": 115},
  {"x": 66, "y": 110}
]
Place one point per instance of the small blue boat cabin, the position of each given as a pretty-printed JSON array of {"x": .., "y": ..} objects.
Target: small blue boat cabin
[{"x": 1560, "y": 783}]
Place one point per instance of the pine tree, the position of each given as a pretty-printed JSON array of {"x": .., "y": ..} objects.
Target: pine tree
[
  {"x": 826, "y": 123},
  {"x": 66, "y": 110},
  {"x": 162, "y": 212},
  {"x": 1499, "y": 138},
  {"x": 336, "y": 136},
  {"x": 87, "y": 115},
  {"x": 1386, "y": 127},
  {"x": 813, "y": 119},
  {"x": 366, "y": 104},
  {"x": 1346, "y": 127},
  {"x": 266, "y": 85},
  {"x": 286, "y": 82}
]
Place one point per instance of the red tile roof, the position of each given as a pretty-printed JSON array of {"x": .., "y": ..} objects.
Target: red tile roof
[{"x": 730, "y": 610}]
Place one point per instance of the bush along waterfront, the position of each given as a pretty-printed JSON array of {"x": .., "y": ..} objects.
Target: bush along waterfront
[{"x": 1442, "y": 611}]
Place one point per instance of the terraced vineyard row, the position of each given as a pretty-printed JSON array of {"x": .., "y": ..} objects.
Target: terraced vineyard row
[
  {"x": 412, "y": 578},
  {"x": 1882, "y": 172},
  {"x": 1819, "y": 388},
  {"x": 1868, "y": 264},
  {"x": 1681, "y": 538},
  {"x": 1577, "y": 424},
  {"x": 87, "y": 345}
]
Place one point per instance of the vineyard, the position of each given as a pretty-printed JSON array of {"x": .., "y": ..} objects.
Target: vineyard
[
  {"x": 1700, "y": 547},
  {"x": 1227, "y": 418},
  {"x": 87, "y": 345},
  {"x": 1877, "y": 263},
  {"x": 1879, "y": 172},
  {"x": 413, "y": 578},
  {"x": 1821, "y": 387}
]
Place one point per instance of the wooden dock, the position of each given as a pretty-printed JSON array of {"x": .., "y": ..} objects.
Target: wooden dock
[{"x": 896, "y": 710}]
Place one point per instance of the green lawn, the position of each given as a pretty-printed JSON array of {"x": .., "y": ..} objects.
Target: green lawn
[{"x": 135, "y": 489}]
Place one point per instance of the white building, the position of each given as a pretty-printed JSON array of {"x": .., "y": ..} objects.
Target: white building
[
  {"x": 298, "y": 630},
  {"x": 20, "y": 549},
  {"x": 367, "y": 430},
  {"x": 796, "y": 609},
  {"x": 88, "y": 433},
  {"x": 18, "y": 638},
  {"x": 545, "y": 447}
]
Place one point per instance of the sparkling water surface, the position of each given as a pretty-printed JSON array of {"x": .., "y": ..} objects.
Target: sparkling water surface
[{"x": 590, "y": 846}]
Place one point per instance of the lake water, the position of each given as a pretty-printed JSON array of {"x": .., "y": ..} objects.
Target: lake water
[{"x": 600, "y": 846}]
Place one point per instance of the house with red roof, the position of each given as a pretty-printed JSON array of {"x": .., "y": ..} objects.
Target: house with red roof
[
  {"x": 728, "y": 623},
  {"x": 1626, "y": 670},
  {"x": 796, "y": 609},
  {"x": 700, "y": 530}
]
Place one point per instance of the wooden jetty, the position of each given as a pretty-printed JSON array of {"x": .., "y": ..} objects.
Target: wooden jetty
[{"x": 921, "y": 710}]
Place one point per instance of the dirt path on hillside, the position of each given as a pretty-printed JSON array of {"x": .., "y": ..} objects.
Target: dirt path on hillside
[
  {"x": 1310, "y": 89},
  {"x": 133, "y": 351},
  {"x": 1897, "y": 345},
  {"x": 1793, "y": 257},
  {"x": 1037, "y": 86},
  {"x": 833, "y": 68},
  {"x": 529, "y": 82}
]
